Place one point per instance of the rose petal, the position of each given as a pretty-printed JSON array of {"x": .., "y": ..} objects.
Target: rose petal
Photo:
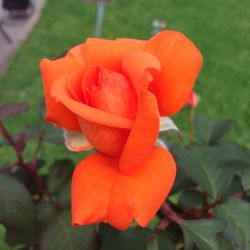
[
  {"x": 143, "y": 134},
  {"x": 180, "y": 64},
  {"x": 108, "y": 140},
  {"x": 108, "y": 53},
  {"x": 76, "y": 141},
  {"x": 61, "y": 93},
  {"x": 75, "y": 85},
  {"x": 101, "y": 193},
  {"x": 52, "y": 70},
  {"x": 136, "y": 66}
]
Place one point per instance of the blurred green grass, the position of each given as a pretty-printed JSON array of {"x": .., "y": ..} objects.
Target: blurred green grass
[{"x": 219, "y": 28}]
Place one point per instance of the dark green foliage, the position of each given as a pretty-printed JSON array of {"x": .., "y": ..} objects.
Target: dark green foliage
[
  {"x": 208, "y": 208},
  {"x": 131, "y": 239},
  {"x": 202, "y": 233},
  {"x": 61, "y": 172},
  {"x": 17, "y": 211},
  {"x": 236, "y": 215},
  {"x": 210, "y": 132},
  {"x": 61, "y": 235}
]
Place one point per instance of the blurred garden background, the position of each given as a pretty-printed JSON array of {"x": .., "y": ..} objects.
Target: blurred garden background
[{"x": 219, "y": 28}]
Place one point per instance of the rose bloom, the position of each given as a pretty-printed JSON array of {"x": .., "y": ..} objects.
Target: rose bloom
[{"x": 109, "y": 95}]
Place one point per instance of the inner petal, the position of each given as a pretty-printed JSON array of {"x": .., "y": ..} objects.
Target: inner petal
[{"x": 109, "y": 91}]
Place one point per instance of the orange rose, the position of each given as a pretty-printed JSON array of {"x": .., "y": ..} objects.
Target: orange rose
[{"x": 114, "y": 93}]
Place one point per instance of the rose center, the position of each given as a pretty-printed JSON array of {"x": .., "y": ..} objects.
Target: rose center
[{"x": 109, "y": 91}]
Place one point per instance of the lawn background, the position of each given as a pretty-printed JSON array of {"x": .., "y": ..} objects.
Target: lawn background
[{"x": 219, "y": 28}]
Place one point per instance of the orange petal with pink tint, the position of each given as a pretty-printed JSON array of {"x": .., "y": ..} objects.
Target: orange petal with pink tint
[
  {"x": 143, "y": 134},
  {"x": 100, "y": 193},
  {"x": 180, "y": 64},
  {"x": 137, "y": 65},
  {"x": 51, "y": 70}
]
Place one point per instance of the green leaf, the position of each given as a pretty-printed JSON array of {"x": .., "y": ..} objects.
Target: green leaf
[
  {"x": 236, "y": 215},
  {"x": 229, "y": 152},
  {"x": 225, "y": 244},
  {"x": 202, "y": 233},
  {"x": 64, "y": 196},
  {"x": 234, "y": 188},
  {"x": 45, "y": 213},
  {"x": 210, "y": 132},
  {"x": 205, "y": 169},
  {"x": 153, "y": 244},
  {"x": 245, "y": 178},
  {"x": 203, "y": 128},
  {"x": 220, "y": 129},
  {"x": 61, "y": 235},
  {"x": 182, "y": 181},
  {"x": 190, "y": 198},
  {"x": 164, "y": 242},
  {"x": 17, "y": 212},
  {"x": 3, "y": 245},
  {"x": 60, "y": 173},
  {"x": 18, "y": 236},
  {"x": 131, "y": 239},
  {"x": 160, "y": 242}
]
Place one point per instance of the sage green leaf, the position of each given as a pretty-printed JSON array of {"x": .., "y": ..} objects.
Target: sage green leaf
[
  {"x": 60, "y": 173},
  {"x": 153, "y": 244},
  {"x": 205, "y": 169},
  {"x": 229, "y": 152},
  {"x": 17, "y": 212},
  {"x": 182, "y": 181},
  {"x": 220, "y": 129},
  {"x": 202, "y": 233},
  {"x": 160, "y": 242},
  {"x": 224, "y": 243},
  {"x": 203, "y": 128},
  {"x": 131, "y": 239},
  {"x": 61, "y": 235},
  {"x": 245, "y": 178},
  {"x": 17, "y": 236},
  {"x": 63, "y": 197},
  {"x": 164, "y": 242},
  {"x": 3, "y": 245},
  {"x": 190, "y": 198},
  {"x": 210, "y": 132},
  {"x": 236, "y": 215},
  {"x": 45, "y": 213}
]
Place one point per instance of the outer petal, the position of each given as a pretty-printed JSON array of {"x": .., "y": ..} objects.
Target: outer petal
[
  {"x": 108, "y": 53},
  {"x": 136, "y": 66},
  {"x": 180, "y": 61},
  {"x": 52, "y": 70},
  {"x": 61, "y": 93},
  {"x": 101, "y": 193},
  {"x": 108, "y": 140},
  {"x": 143, "y": 134}
]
